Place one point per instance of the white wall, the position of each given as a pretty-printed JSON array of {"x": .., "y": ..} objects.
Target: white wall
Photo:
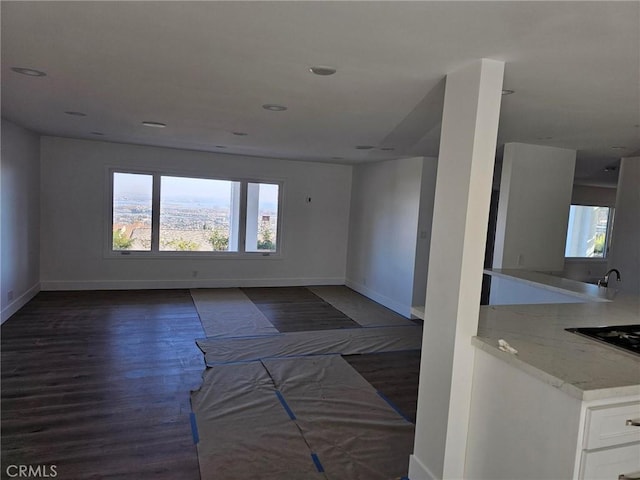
[
  {"x": 425, "y": 217},
  {"x": 588, "y": 270},
  {"x": 593, "y": 196},
  {"x": 385, "y": 201},
  {"x": 533, "y": 211},
  {"x": 20, "y": 217},
  {"x": 625, "y": 244},
  {"x": 74, "y": 223}
]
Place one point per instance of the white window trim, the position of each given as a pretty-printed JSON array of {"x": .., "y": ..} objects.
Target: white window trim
[{"x": 156, "y": 253}]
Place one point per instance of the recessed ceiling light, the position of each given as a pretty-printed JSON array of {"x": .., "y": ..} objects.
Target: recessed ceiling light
[
  {"x": 30, "y": 72},
  {"x": 322, "y": 71},
  {"x": 76, "y": 114},
  {"x": 616, "y": 147},
  {"x": 221, "y": 146},
  {"x": 274, "y": 108},
  {"x": 387, "y": 149},
  {"x": 240, "y": 134},
  {"x": 154, "y": 124},
  {"x": 364, "y": 147},
  {"x": 611, "y": 168},
  {"x": 97, "y": 133},
  {"x": 507, "y": 91}
]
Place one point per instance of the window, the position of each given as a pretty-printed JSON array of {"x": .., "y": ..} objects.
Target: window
[
  {"x": 198, "y": 214},
  {"x": 131, "y": 218},
  {"x": 164, "y": 213},
  {"x": 588, "y": 231},
  {"x": 262, "y": 217}
]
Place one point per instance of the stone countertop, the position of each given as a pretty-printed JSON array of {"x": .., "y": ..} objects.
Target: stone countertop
[
  {"x": 557, "y": 284},
  {"x": 579, "y": 366}
]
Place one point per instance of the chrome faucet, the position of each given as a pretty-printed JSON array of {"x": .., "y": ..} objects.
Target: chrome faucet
[{"x": 604, "y": 282}]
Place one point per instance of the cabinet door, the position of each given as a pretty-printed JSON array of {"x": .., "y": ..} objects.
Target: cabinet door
[
  {"x": 608, "y": 425},
  {"x": 610, "y": 463}
]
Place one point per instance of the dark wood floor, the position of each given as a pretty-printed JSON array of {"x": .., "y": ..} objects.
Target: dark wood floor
[
  {"x": 297, "y": 309},
  {"x": 395, "y": 375},
  {"x": 97, "y": 383}
]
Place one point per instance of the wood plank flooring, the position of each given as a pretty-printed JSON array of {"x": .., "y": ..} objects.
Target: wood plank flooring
[
  {"x": 97, "y": 383},
  {"x": 394, "y": 374},
  {"x": 297, "y": 309}
]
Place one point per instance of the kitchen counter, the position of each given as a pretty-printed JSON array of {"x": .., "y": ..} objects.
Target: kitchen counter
[
  {"x": 581, "y": 367},
  {"x": 565, "y": 286}
]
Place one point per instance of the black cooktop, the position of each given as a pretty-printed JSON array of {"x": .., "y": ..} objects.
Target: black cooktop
[{"x": 626, "y": 337}]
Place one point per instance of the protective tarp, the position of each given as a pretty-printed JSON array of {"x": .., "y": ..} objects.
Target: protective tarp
[
  {"x": 354, "y": 432},
  {"x": 228, "y": 312},
  {"x": 357, "y": 307},
  {"x": 342, "y": 341},
  {"x": 300, "y": 419},
  {"x": 244, "y": 431}
]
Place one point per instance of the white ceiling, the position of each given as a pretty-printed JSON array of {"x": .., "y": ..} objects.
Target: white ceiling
[{"x": 206, "y": 68}]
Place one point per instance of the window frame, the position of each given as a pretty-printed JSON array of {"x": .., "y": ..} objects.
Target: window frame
[
  {"x": 607, "y": 242},
  {"x": 155, "y": 252}
]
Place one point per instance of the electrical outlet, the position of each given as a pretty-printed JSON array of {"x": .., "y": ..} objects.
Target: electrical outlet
[
  {"x": 10, "y": 295},
  {"x": 194, "y": 274}
]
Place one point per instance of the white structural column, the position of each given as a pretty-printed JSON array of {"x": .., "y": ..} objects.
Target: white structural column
[
  {"x": 625, "y": 246},
  {"x": 459, "y": 229}
]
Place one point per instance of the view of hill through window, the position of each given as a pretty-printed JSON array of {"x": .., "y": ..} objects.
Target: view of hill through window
[{"x": 196, "y": 214}]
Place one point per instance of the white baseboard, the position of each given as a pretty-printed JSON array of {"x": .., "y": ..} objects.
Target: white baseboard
[
  {"x": 404, "y": 310},
  {"x": 418, "y": 471},
  {"x": 19, "y": 302},
  {"x": 190, "y": 283}
]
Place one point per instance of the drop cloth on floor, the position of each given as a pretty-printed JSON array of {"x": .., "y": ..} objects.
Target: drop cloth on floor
[
  {"x": 354, "y": 432},
  {"x": 244, "y": 432},
  {"x": 342, "y": 341},
  {"x": 228, "y": 312},
  {"x": 358, "y": 307},
  {"x": 268, "y": 420}
]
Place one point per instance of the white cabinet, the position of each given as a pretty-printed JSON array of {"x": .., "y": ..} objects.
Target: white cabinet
[
  {"x": 609, "y": 425},
  {"x": 522, "y": 427},
  {"x": 611, "y": 463},
  {"x": 611, "y": 442}
]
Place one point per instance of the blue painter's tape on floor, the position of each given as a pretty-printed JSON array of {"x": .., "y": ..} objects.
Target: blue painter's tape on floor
[
  {"x": 317, "y": 463},
  {"x": 394, "y": 406},
  {"x": 194, "y": 428},
  {"x": 285, "y": 405}
]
